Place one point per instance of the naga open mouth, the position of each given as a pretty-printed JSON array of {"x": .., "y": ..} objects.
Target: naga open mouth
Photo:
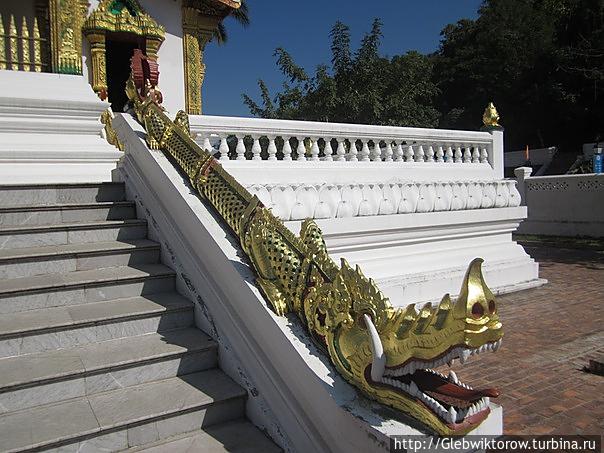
[{"x": 457, "y": 404}]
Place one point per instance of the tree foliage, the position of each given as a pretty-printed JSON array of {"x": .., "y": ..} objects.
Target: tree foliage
[
  {"x": 241, "y": 15},
  {"x": 359, "y": 86},
  {"x": 540, "y": 61}
]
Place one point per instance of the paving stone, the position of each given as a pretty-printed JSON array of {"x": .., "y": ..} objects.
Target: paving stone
[{"x": 548, "y": 333}]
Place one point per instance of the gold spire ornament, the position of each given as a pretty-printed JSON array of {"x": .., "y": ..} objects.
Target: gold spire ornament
[
  {"x": 12, "y": 33},
  {"x": 25, "y": 45},
  {"x": 2, "y": 44},
  {"x": 37, "y": 51},
  {"x": 490, "y": 117}
]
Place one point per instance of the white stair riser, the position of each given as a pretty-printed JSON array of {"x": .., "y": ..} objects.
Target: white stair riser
[
  {"x": 59, "y": 195},
  {"x": 45, "y": 265},
  {"x": 75, "y": 296},
  {"x": 62, "y": 237},
  {"x": 164, "y": 428},
  {"x": 53, "y": 217},
  {"x": 75, "y": 337},
  {"x": 111, "y": 380}
]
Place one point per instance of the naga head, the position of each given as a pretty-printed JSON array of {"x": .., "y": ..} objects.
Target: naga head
[{"x": 390, "y": 353}]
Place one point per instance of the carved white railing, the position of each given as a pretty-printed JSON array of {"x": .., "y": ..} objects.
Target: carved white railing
[
  {"x": 241, "y": 139},
  {"x": 324, "y": 201}
]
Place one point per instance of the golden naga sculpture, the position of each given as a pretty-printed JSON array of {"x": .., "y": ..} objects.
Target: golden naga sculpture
[
  {"x": 387, "y": 353},
  {"x": 490, "y": 117}
]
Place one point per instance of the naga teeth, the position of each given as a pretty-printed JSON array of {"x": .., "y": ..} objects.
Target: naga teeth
[
  {"x": 452, "y": 414},
  {"x": 465, "y": 354},
  {"x": 453, "y": 377},
  {"x": 413, "y": 389}
]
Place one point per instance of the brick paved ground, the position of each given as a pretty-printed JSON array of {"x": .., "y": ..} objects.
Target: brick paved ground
[{"x": 549, "y": 334}]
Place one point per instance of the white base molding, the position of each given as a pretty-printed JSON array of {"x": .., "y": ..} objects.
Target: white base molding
[
  {"x": 420, "y": 257},
  {"x": 50, "y": 130}
]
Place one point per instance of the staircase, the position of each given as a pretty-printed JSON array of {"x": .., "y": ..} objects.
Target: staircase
[{"x": 98, "y": 352}]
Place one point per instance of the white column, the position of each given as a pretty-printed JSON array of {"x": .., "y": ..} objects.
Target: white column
[
  {"x": 240, "y": 149},
  {"x": 522, "y": 174}
]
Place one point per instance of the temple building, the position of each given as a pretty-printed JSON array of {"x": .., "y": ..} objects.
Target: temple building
[{"x": 172, "y": 281}]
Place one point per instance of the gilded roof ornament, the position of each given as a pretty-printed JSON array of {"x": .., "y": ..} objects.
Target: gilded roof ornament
[{"x": 490, "y": 117}]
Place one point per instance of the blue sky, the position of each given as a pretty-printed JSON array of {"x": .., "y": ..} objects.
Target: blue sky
[{"x": 302, "y": 28}]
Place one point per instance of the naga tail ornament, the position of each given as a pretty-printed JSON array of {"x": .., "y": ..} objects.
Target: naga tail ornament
[{"x": 387, "y": 353}]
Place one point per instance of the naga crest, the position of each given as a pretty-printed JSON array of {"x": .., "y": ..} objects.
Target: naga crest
[{"x": 388, "y": 353}]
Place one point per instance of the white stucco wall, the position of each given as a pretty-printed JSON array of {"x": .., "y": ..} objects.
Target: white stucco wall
[{"x": 563, "y": 205}]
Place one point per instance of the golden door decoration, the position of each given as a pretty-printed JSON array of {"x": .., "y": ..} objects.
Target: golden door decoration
[{"x": 126, "y": 16}]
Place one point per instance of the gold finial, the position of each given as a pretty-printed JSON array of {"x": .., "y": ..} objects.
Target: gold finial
[{"x": 490, "y": 117}]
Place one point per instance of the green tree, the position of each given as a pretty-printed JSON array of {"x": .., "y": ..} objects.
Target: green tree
[
  {"x": 540, "y": 61},
  {"x": 241, "y": 15},
  {"x": 358, "y": 87}
]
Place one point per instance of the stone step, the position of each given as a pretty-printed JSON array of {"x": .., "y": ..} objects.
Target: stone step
[
  {"x": 127, "y": 417},
  {"x": 72, "y": 233},
  {"x": 53, "y": 194},
  {"x": 66, "y": 213},
  {"x": 238, "y": 436},
  {"x": 64, "y": 327},
  {"x": 80, "y": 287},
  {"x": 47, "y": 377},
  {"x": 52, "y": 259}
]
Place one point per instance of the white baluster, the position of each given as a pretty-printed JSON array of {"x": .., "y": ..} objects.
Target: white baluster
[
  {"x": 256, "y": 149},
  {"x": 328, "y": 151},
  {"x": 476, "y": 155},
  {"x": 364, "y": 151},
  {"x": 409, "y": 154},
  {"x": 467, "y": 154},
  {"x": 341, "y": 151},
  {"x": 207, "y": 145},
  {"x": 484, "y": 155},
  {"x": 376, "y": 155},
  {"x": 287, "y": 149},
  {"x": 458, "y": 155},
  {"x": 419, "y": 155},
  {"x": 272, "y": 148},
  {"x": 449, "y": 155},
  {"x": 240, "y": 149},
  {"x": 224, "y": 148},
  {"x": 388, "y": 152},
  {"x": 352, "y": 151},
  {"x": 398, "y": 152},
  {"x": 440, "y": 154},
  {"x": 301, "y": 149},
  {"x": 314, "y": 148},
  {"x": 430, "y": 154}
]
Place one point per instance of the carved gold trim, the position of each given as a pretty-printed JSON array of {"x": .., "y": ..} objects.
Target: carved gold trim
[
  {"x": 106, "y": 19},
  {"x": 66, "y": 19},
  {"x": 197, "y": 32}
]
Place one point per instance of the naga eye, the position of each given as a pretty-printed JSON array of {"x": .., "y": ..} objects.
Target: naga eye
[
  {"x": 492, "y": 306},
  {"x": 477, "y": 310}
]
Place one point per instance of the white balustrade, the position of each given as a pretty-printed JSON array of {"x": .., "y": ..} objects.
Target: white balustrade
[{"x": 262, "y": 139}]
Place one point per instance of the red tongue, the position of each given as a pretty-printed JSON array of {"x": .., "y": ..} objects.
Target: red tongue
[
  {"x": 465, "y": 394},
  {"x": 427, "y": 381}
]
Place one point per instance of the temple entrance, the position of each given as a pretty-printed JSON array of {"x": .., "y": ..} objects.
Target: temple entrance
[
  {"x": 114, "y": 29},
  {"x": 119, "y": 49}
]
